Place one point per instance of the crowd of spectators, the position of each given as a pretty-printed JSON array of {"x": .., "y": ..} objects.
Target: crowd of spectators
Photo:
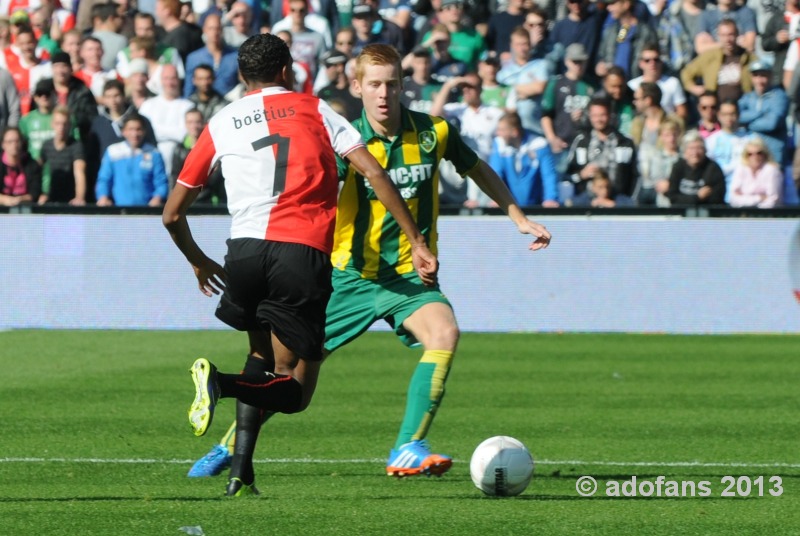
[{"x": 573, "y": 102}]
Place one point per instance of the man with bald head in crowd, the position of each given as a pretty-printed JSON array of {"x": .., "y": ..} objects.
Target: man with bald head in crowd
[{"x": 167, "y": 114}]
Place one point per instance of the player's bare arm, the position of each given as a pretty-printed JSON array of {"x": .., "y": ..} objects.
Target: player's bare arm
[
  {"x": 488, "y": 181},
  {"x": 424, "y": 261},
  {"x": 210, "y": 275}
]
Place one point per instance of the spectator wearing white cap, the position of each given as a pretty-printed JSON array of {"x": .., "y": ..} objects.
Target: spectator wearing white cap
[
  {"x": 136, "y": 82},
  {"x": 763, "y": 111},
  {"x": 339, "y": 90}
]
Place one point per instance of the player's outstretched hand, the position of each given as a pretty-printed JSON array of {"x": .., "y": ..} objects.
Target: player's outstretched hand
[
  {"x": 426, "y": 264},
  {"x": 535, "y": 229},
  {"x": 210, "y": 277}
]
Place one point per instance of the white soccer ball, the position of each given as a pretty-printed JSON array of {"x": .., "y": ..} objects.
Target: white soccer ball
[{"x": 501, "y": 466}]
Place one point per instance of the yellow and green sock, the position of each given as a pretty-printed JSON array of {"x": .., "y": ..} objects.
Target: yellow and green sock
[{"x": 425, "y": 393}]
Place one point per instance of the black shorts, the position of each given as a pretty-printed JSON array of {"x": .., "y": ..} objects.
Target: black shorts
[{"x": 279, "y": 287}]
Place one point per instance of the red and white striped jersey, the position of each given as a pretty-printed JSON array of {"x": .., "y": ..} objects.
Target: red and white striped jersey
[
  {"x": 25, "y": 76},
  {"x": 276, "y": 149},
  {"x": 96, "y": 81}
]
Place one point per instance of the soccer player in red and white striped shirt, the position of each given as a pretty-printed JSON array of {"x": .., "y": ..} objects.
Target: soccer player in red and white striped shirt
[{"x": 276, "y": 149}]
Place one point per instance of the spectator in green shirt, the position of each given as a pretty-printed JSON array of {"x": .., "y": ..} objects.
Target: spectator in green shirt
[{"x": 36, "y": 126}]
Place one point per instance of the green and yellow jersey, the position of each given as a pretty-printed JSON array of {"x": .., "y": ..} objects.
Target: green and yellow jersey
[{"x": 367, "y": 239}]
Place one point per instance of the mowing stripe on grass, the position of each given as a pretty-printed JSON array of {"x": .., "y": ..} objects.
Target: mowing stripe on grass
[{"x": 755, "y": 465}]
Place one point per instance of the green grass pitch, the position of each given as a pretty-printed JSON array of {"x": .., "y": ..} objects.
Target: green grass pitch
[{"x": 94, "y": 437}]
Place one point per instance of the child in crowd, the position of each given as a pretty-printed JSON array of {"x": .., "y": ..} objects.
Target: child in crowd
[{"x": 600, "y": 193}]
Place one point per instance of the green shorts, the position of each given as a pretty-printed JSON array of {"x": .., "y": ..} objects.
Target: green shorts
[{"x": 356, "y": 304}]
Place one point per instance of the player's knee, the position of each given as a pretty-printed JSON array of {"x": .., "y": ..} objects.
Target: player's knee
[
  {"x": 291, "y": 399},
  {"x": 446, "y": 336}
]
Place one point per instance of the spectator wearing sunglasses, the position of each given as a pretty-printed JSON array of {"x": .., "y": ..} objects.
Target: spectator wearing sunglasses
[{"x": 673, "y": 98}]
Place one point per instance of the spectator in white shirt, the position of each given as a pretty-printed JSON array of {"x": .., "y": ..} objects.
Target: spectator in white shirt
[
  {"x": 673, "y": 98},
  {"x": 167, "y": 113}
]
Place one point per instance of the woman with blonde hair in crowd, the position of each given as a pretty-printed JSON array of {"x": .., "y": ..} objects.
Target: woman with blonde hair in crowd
[
  {"x": 655, "y": 165},
  {"x": 757, "y": 180}
]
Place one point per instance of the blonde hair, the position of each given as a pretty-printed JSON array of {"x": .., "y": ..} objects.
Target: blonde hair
[
  {"x": 62, "y": 110},
  {"x": 377, "y": 55},
  {"x": 757, "y": 142},
  {"x": 673, "y": 125}
]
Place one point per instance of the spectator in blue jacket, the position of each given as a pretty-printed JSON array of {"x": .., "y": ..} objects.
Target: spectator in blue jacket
[
  {"x": 217, "y": 54},
  {"x": 132, "y": 173},
  {"x": 763, "y": 111},
  {"x": 524, "y": 162}
]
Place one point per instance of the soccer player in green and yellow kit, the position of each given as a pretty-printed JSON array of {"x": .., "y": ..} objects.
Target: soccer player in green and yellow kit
[{"x": 373, "y": 277}]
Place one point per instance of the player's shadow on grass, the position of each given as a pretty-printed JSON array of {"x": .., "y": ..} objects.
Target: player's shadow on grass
[
  {"x": 532, "y": 496},
  {"x": 576, "y": 497},
  {"x": 673, "y": 476},
  {"x": 103, "y": 499}
]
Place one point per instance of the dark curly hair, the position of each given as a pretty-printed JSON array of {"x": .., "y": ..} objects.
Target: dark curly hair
[{"x": 262, "y": 57}]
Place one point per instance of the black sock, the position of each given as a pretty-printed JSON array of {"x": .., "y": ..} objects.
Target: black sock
[
  {"x": 273, "y": 392},
  {"x": 257, "y": 365},
  {"x": 248, "y": 424}
]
